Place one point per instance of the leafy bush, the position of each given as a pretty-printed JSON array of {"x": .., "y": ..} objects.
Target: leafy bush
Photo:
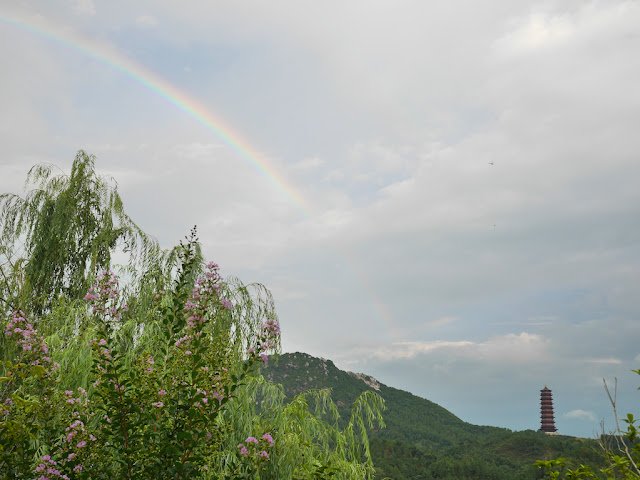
[{"x": 159, "y": 378}]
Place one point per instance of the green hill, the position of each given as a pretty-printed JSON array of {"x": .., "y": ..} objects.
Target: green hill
[{"x": 423, "y": 440}]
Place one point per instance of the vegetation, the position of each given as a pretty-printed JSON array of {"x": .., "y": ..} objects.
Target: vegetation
[
  {"x": 156, "y": 378},
  {"x": 620, "y": 451},
  {"x": 164, "y": 371},
  {"x": 422, "y": 440}
]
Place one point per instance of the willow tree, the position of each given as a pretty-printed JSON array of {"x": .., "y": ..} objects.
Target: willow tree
[
  {"x": 62, "y": 231},
  {"x": 165, "y": 371}
]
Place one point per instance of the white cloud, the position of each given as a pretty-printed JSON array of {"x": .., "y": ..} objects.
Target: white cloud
[
  {"x": 580, "y": 414},
  {"x": 605, "y": 361},
  {"x": 84, "y": 7},
  {"x": 308, "y": 163},
  {"x": 498, "y": 349},
  {"x": 537, "y": 31},
  {"x": 146, "y": 21},
  {"x": 413, "y": 349},
  {"x": 517, "y": 348}
]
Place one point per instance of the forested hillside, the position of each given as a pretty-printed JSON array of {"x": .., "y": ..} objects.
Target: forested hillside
[{"x": 423, "y": 440}]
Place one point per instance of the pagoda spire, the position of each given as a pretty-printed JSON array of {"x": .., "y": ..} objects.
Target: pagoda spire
[{"x": 546, "y": 411}]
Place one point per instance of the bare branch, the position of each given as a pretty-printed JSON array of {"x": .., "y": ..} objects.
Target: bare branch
[{"x": 622, "y": 445}]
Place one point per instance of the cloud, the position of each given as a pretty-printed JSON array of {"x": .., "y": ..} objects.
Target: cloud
[
  {"x": 84, "y": 7},
  {"x": 413, "y": 349},
  {"x": 440, "y": 322},
  {"x": 498, "y": 349},
  {"x": 580, "y": 414},
  {"x": 308, "y": 163},
  {"x": 146, "y": 21},
  {"x": 516, "y": 348},
  {"x": 386, "y": 119},
  {"x": 537, "y": 31},
  {"x": 614, "y": 361}
]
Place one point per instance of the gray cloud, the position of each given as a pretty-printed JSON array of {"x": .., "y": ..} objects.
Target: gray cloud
[{"x": 469, "y": 231}]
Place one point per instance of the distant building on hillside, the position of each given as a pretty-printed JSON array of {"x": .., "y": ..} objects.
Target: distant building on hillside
[{"x": 546, "y": 411}]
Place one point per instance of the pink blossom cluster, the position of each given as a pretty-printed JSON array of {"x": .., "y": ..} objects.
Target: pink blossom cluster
[
  {"x": 161, "y": 394},
  {"x": 71, "y": 450},
  {"x": 33, "y": 346},
  {"x": 104, "y": 295},
  {"x": 268, "y": 336},
  {"x": 205, "y": 290},
  {"x": 257, "y": 449},
  {"x": 5, "y": 406},
  {"x": 103, "y": 353},
  {"x": 48, "y": 467},
  {"x": 271, "y": 328},
  {"x": 81, "y": 400},
  {"x": 151, "y": 362}
]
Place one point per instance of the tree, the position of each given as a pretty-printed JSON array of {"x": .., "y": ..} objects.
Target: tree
[
  {"x": 68, "y": 226},
  {"x": 157, "y": 380}
]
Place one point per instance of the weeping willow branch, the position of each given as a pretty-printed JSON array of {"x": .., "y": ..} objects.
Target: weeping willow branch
[{"x": 70, "y": 224}]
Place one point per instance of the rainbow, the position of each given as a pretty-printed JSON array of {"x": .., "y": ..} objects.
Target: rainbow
[{"x": 109, "y": 56}]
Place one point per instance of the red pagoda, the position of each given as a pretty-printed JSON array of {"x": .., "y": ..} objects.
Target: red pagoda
[{"x": 546, "y": 411}]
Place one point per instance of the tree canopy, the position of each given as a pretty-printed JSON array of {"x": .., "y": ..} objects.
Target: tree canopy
[
  {"x": 63, "y": 231},
  {"x": 159, "y": 378}
]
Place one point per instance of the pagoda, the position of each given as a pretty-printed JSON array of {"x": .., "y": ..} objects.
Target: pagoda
[{"x": 546, "y": 411}]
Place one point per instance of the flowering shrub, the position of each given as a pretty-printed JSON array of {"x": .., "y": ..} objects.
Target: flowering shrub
[
  {"x": 153, "y": 418},
  {"x": 160, "y": 386}
]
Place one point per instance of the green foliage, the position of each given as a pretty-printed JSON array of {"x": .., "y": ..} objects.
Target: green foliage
[
  {"x": 69, "y": 225},
  {"x": 423, "y": 440},
  {"x": 158, "y": 378},
  {"x": 619, "y": 457}
]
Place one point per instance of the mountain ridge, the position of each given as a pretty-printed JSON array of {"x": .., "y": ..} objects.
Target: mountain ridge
[{"x": 423, "y": 440}]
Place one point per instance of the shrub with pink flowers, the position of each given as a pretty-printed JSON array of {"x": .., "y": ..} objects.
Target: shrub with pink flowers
[
  {"x": 158, "y": 377},
  {"x": 153, "y": 418}
]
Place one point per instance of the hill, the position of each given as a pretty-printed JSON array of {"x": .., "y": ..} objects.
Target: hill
[{"x": 423, "y": 440}]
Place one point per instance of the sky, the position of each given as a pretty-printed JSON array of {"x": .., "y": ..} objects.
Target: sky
[{"x": 440, "y": 194}]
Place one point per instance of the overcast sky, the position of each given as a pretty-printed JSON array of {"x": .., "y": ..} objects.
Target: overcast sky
[{"x": 441, "y": 194}]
